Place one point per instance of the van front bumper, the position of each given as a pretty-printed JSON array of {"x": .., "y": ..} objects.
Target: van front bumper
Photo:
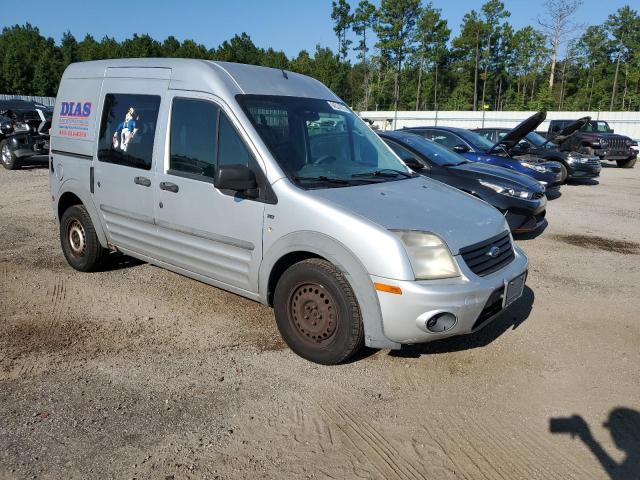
[{"x": 475, "y": 301}]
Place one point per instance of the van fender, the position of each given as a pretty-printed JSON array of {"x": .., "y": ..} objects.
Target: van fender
[
  {"x": 74, "y": 186},
  {"x": 347, "y": 262}
]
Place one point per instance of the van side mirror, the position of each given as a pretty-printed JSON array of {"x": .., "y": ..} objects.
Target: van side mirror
[
  {"x": 238, "y": 178},
  {"x": 413, "y": 164},
  {"x": 461, "y": 148}
]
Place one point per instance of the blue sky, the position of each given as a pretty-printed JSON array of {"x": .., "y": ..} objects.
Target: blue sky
[{"x": 288, "y": 25}]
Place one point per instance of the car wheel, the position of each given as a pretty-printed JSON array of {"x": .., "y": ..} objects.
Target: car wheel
[
  {"x": 80, "y": 243},
  {"x": 317, "y": 312},
  {"x": 564, "y": 173},
  {"x": 7, "y": 157},
  {"x": 628, "y": 163}
]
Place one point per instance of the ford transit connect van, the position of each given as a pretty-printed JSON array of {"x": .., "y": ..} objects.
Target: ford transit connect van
[{"x": 264, "y": 183}]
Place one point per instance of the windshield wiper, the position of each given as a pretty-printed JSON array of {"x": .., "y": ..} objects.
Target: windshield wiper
[
  {"x": 385, "y": 172},
  {"x": 323, "y": 178}
]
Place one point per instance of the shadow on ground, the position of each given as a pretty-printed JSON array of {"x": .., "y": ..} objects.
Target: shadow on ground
[{"x": 623, "y": 425}]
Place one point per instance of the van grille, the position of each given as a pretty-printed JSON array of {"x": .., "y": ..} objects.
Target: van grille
[{"x": 478, "y": 258}]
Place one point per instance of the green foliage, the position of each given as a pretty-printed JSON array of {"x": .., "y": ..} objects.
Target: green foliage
[{"x": 405, "y": 59}]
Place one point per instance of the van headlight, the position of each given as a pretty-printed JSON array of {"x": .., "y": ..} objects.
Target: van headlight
[
  {"x": 535, "y": 166},
  {"x": 510, "y": 192},
  {"x": 429, "y": 255}
]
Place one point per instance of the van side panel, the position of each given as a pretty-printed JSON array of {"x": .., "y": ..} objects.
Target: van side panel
[{"x": 73, "y": 135}]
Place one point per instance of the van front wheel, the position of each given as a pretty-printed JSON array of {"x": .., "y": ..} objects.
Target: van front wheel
[
  {"x": 80, "y": 243},
  {"x": 317, "y": 312}
]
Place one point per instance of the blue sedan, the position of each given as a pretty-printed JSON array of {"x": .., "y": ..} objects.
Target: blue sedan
[{"x": 476, "y": 148}]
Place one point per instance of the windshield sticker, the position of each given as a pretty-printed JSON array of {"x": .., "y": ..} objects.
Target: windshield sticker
[
  {"x": 338, "y": 106},
  {"x": 74, "y": 119}
]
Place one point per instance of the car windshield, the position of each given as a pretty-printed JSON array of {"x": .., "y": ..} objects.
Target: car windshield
[
  {"x": 432, "y": 151},
  {"x": 597, "y": 126},
  {"x": 477, "y": 141},
  {"x": 320, "y": 143}
]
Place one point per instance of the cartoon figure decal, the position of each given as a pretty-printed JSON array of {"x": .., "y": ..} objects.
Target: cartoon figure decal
[{"x": 126, "y": 130}]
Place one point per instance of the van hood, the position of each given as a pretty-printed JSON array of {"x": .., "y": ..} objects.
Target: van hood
[
  {"x": 420, "y": 204},
  {"x": 519, "y": 132}
]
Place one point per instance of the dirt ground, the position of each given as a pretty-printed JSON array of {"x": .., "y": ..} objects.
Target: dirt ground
[{"x": 137, "y": 372}]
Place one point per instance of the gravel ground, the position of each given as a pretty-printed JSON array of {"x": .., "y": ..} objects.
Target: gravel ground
[{"x": 137, "y": 372}]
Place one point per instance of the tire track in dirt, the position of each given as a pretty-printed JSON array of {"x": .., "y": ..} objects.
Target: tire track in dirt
[
  {"x": 366, "y": 438},
  {"x": 486, "y": 450}
]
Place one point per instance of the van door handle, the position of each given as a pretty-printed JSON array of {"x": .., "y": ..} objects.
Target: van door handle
[
  {"x": 144, "y": 181},
  {"x": 169, "y": 187}
]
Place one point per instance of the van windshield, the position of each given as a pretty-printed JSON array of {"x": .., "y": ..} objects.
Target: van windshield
[{"x": 320, "y": 143}]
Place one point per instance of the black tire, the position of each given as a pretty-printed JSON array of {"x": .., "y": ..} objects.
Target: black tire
[
  {"x": 7, "y": 157},
  {"x": 628, "y": 163},
  {"x": 317, "y": 312},
  {"x": 79, "y": 241}
]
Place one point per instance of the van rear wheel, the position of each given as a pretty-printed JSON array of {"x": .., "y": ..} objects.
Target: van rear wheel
[
  {"x": 79, "y": 241},
  {"x": 317, "y": 312}
]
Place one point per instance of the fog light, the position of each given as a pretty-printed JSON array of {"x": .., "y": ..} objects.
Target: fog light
[{"x": 441, "y": 322}]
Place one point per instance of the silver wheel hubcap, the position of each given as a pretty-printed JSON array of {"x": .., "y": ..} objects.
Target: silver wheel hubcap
[
  {"x": 77, "y": 239},
  {"x": 6, "y": 155}
]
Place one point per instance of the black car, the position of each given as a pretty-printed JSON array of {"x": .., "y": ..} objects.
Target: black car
[
  {"x": 24, "y": 132},
  {"x": 575, "y": 165},
  {"x": 519, "y": 197}
]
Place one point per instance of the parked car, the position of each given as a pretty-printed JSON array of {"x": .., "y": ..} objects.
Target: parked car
[
  {"x": 476, "y": 148},
  {"x": 575, "y": 165},
  {"x": 24, "y": 132},
  {"x": 213, "y": 170},
  {"x": 519, "y": 198},
  {"x": 595, "y": 137}
]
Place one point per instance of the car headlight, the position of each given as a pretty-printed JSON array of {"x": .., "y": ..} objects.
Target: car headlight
[
  {"x": 600, "y": 144},
  {"x": 574, "y": 158},
  {"x": 535, "y": 166},
  {"x": 429, "y": 255},
  {"x": 21, "y": 127},
  {"x": 509, "y": 191}
]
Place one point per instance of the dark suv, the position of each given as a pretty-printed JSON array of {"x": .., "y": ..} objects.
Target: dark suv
[
  {"x": 595, "y": 138},
  {"x": 24, "y": 132}
]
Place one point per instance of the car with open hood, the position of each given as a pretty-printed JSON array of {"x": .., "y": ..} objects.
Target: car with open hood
[
  {"x": 24, "y": 133},
  {"x": 264, "y": 183},
  {"x": 594, "y": 137},
  {"x": 518, "y": 197},
  {"x": 575, "y": 165},
  {"x": 477, "y": 148}
]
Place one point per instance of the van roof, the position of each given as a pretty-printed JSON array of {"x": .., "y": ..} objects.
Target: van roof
[{"x": 220, "y": 78}]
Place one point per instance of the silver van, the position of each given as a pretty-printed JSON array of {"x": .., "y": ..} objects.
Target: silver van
[{"x": 264, "y": 183}]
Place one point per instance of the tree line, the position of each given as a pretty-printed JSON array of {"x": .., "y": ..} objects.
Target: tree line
[{"x": 400, "y": 55}]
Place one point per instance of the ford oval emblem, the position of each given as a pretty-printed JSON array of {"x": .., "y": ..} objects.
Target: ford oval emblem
[{"x": 494, "y": 251}]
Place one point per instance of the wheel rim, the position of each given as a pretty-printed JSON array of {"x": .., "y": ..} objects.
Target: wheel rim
[
  {"x": 76, "y": 238},
  {"x": 313, "y": 314},
  {"x": 6, "y": 155}
]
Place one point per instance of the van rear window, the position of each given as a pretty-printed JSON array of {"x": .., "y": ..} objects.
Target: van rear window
[{"x": 128, "y": 129}]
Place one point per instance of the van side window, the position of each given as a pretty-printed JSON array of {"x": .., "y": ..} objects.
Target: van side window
[
  {"x": 193, "y": 138},
  {"x": 231, "y": 148},
  {"x": 128, "y": 129}
]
